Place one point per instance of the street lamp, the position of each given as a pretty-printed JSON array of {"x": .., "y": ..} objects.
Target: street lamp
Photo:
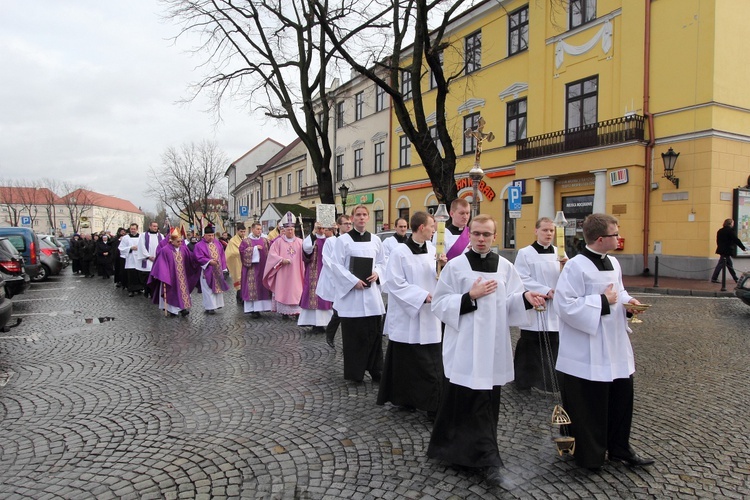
[
  {"x": 344, "y": 192},
  {"x": 670, "y": 159}
]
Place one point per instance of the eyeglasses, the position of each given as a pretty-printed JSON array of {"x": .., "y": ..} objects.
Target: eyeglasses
[
  {"x": 616, "y": 235},
  {"x": 477, "y": 234}
]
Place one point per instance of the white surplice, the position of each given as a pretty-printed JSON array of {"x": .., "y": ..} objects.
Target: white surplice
[
  {"x": 350, "y": 302},
  {"x": 539, "y": 273}
]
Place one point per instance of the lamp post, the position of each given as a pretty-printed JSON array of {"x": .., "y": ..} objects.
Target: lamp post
[
  {"x": 344, "y": 192},
  {"x": 670, "y": 159}
]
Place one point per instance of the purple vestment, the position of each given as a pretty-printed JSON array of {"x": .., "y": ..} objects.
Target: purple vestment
[
  {"x": 214, "y": 275},
  {"x": 252, "y": 272},
  {"x": 313, "y": 266},
  {"x": 175, "y": 273}
]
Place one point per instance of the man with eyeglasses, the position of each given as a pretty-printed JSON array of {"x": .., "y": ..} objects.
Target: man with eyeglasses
[
  {"x": 595, "y": 358},
  {"x": 479, "y": 296}
]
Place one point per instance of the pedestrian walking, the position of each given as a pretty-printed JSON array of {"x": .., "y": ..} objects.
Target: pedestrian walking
[
  {"x": 726, "y": 246},
  {"x": 316, "y": 312},
  {"x": 209, "y": 254},
  {"x": 285, "y": 270}
]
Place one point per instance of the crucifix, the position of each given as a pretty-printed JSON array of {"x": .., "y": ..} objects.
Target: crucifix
[{"x": 476, "y": 173}]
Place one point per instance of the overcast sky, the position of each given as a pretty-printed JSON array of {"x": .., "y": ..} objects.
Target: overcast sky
[{"x": 89, "y": 95}]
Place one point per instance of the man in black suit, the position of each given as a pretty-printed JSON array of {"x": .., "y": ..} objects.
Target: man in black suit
[{"x": 726, "y": 244}]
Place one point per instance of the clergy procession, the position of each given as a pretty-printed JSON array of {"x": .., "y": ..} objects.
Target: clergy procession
[{"x": 446, "y": 304}]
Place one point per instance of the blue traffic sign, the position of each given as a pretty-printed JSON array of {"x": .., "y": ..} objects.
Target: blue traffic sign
[
  {"x": 243, "y": 210},
  {"x": 25, "y": 220},
  {"x": 514, "y": 198}
]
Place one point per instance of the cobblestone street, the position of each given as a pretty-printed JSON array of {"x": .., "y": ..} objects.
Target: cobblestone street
[{"x": 104, "y": 397}]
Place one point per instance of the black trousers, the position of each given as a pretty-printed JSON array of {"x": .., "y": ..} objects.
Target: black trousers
[
  {"x": 601, "y": 414},
  {"x": 724, "y": 260},
  {"x": 363, "y": 347},
  {"x": 332, "y": 326}
]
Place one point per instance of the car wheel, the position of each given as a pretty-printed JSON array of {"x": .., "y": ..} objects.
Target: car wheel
[{"x": 43, "y": 274}]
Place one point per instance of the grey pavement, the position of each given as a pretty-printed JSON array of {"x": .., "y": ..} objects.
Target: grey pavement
[{"x": 223, "y": 406}]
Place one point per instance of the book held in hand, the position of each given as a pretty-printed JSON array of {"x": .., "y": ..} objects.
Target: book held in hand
[{"x": 361, "y": 267}]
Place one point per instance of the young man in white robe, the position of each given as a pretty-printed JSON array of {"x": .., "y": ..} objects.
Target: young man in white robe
[
  {"x": 478, "y": 297},
  {"x": 457, "y": 229},
  {"x": 536, "y": 350},
  {"x": 392, "y": 242},
  {"x": 413, "y": 369},
  {"x": 146, "y": 253},
  {"x": 326, "y": 288},
  {"x": 358, "y": 300},
  {"x": 129, "y": 252},
  {"x": 595, "y": 356}
]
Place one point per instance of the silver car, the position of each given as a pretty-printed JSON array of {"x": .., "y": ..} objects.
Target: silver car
[{"x": 51, "y": 260}]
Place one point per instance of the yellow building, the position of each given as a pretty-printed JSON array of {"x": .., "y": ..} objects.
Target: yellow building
[{"x": 584, "y": 97}]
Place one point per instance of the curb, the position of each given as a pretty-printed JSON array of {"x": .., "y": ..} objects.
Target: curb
[{"x": 678, "y": 292}]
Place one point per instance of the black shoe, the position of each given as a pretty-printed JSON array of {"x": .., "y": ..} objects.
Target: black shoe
[
  {"x": 255, "y": 315},
  {"x": 494, "y": 477},
  {"x": 131, "y": 294},
  {"x": 714, "y": 281},
  {"x": 318, "y": 329},
  {"x": 210, "y": 311},
  {"x": 184, "y": 312},
  {"x": 171, "y": 315},
  {"x": 376, "y": 377},
  {"x": 633, "y": 460},
  {"x": 330, "y": 343}
]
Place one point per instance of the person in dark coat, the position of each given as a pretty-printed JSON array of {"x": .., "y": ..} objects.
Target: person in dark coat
[
  {"x": 104, "y": 257},
  {"x": 726, "y": 245},
  {"x": 88, "y": 255},
  {"x": 118, "y": 264},
  {"x": 76, "y": 247}
]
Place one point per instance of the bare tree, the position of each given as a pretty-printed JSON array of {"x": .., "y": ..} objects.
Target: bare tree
[
  {"x": 362, "y": 31},
  {"x": 77, "y": 200},
  {"x": 189, "y": 178},
  {"x": 9, "y": 199},
  {"x": 273, "y": 56},
  {"x": 26, "y": 199},
  {"x": 48, "y": 199}
]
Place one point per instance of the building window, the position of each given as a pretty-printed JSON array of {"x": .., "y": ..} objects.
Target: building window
[
  {"x": 299, "y": 179},
  {"x": 403, "y": 213},
  {"x": 378, "y": 220},
  {"x": 433, "y": 82},
  {"x": 581, "y": 103},
  {"x": 516, "y": 117},
  {"x": 379, "y": 99},
  {"x": 358, "y": 162},
  {"x": 473, "y": 52},
  {"x": 281, "y": 185},
  {"x": 404, "y": 151},
  {"x": 470, "y": 122},
  {"x": 339, "y": 114},
  {"x": 359, "y": 105},
  {"x": 289, "y": 183},
  {"x": 518, "y": 30},
  {"x": 436, "y": 138},
  {"x": 339, "y": 167},
  {"x": 406, "y": 84},
  {"x": 269, "y": 194},
  {"x": 581, "y": 12},
  {"x": 379, "y": 157}
]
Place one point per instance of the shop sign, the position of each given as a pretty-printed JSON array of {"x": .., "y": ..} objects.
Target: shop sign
[{"x": 483, "y": 188}]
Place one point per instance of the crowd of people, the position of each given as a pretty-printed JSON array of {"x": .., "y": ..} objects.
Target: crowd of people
[{"x": 448, "y": 316}]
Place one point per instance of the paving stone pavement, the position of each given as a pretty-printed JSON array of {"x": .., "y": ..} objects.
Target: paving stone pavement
[{"x": 223, "y": 406}]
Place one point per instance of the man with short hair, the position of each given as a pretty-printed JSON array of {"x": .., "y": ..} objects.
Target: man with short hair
[
  {"x": 595, "y": 359},
  {"x": 479, "y": 296},
  {"x": 358, "y": 299},
  {"x": 129, "y": 252},
  {"x": 536, "y": 349},
  {"x": 254, "y": 253},
  {"x": 210, "y": 257},
  {"x": 234, "y": 260},
  {"x": 285, "y": 270},
  {"x": 147, "y": 245},
  {"x": 413, "y": 369},
  {"x": 457, "y": 229},
  {"x": 325, "y": 289},
  {"x": 390, "y": 243}
]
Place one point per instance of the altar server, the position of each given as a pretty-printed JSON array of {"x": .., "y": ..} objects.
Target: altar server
[
  {"x": 413, "y": 369},
  {"x": 595, "y": 357},
  {"x": 358, "y": 300},
  {"x": 478, "y": 297},
  {"x": 539, "y": 268}
]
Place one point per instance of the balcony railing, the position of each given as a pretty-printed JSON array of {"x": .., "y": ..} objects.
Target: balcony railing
[
  {"x": 606, "y": 133},
  {"x": 309, "y": 191}
]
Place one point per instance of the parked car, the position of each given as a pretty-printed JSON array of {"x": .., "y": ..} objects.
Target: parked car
[
  {"x": 28, "y": 245},
  {"x": 51, "y": 260},
  {"x": 60, "y": 249},
  {"x": 11, "y": 269},
  {"x": 743, "y": 288},
  {"x": 6, "y": 307},
  {"x": 64, "y": 241},
  {"x": 385, "y": 234}
]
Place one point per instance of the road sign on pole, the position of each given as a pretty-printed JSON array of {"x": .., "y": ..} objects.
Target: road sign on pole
[{"x": 514, "y": 202}]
